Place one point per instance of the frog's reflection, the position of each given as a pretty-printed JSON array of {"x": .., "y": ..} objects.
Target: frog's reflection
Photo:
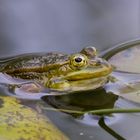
[{"x": 82, "y": 101}]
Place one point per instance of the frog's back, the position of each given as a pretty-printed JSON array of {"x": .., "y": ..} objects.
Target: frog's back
[{"x": 30, "y": 61}]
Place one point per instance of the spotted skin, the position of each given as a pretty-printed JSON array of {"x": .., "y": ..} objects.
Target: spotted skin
[
  {"x": 60, "y": 71},
  {"x": 32, "y": 66}
]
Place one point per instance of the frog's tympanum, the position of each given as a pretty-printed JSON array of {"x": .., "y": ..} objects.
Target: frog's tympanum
[{"x": 75, "y": 72}]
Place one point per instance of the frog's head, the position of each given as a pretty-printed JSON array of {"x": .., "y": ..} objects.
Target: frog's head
[{"x": 82, "y": 71}]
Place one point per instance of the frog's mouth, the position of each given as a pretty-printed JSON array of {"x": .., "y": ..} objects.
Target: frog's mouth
[
  {"x": 86, "y": 84},
  {"x": 87, "y": 79},
  {"x": 89, "y": 73}
]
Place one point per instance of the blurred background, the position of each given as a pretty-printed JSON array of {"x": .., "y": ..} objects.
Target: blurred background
[{"x": 66, "y": 25}]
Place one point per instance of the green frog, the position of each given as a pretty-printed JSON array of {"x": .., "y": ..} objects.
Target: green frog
[{"x": 63, "y": 72}]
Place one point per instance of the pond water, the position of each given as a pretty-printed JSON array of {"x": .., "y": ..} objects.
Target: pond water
[
  {"x": 86, "y": 127},
  {"x": 39, "y": 26}
]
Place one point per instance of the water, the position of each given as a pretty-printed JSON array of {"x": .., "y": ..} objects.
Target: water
[
  {"x": 34, "y": 26},
  {"x": 86, "y": 127}
]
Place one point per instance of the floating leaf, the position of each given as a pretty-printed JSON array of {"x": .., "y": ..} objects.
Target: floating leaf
[
  {"x": 19, "y": 122},
  {"x": 125, "y": 57},
  {"x": 130, "y": 92}
]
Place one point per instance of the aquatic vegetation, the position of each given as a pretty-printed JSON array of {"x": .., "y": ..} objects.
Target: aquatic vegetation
[{"x": 18, "y": 122}]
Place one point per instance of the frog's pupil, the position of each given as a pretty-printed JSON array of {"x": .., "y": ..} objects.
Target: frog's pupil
[{"x": 78, "y": 59}]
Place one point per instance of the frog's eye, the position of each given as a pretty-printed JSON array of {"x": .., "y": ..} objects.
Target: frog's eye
[
  {"x": 89, "y": 51},
  {"x": 78, "y": 61}
]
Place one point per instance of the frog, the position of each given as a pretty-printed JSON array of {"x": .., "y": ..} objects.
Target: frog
[{"x": 74, "y": 72}]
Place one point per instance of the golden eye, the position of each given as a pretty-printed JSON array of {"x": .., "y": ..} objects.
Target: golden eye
[{"x": 78, "y": 61}]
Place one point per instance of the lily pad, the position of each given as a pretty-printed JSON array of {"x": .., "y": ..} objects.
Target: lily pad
[
  {"x": 126, "y": 60},
  {"x": 125, "y": 57},
  {"x": 20, "y": 122},
  {"x": 130, "y": 93}
]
